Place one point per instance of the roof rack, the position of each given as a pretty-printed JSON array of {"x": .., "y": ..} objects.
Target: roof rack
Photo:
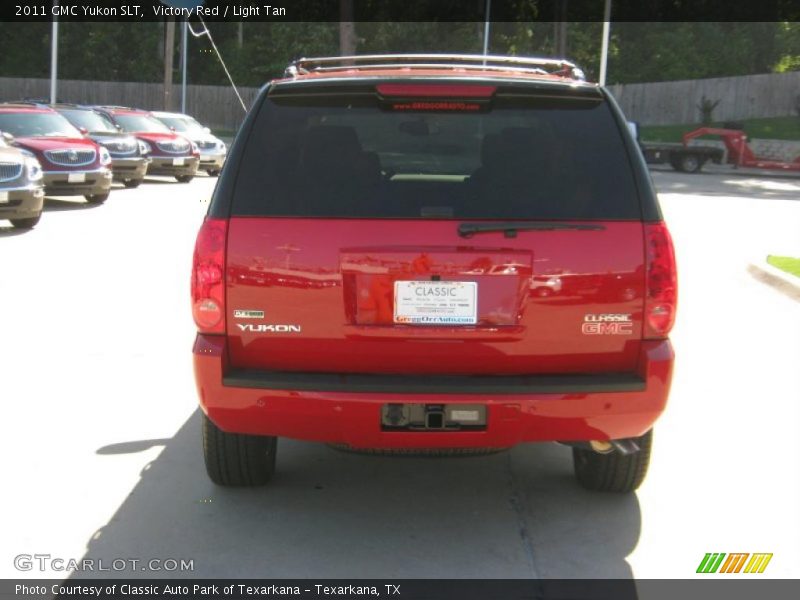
[
  {"x": 366, "y": 62},
  {"x": 114, "y": 107},
  {"x": 45, "y": 103},
  {"x": 27, "y": 102}
]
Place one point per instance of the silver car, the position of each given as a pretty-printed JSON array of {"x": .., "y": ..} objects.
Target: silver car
[
  {"x": 21, "y": 189},
  {"x": 212, "y": 149}
]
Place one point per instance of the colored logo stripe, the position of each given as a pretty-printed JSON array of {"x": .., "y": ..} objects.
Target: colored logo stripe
[
  {"x": 758, "y": 563},
  {"x": 733, "y": 564},
  {"x": 710, "y": 562}
]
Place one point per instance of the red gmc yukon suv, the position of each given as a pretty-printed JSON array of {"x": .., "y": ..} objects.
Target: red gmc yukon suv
[{"x": 367, "y": 274}]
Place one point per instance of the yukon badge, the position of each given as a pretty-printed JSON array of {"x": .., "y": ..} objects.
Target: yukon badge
[
  {"x": 269, "y": 328},
  {"x": 607, "y": 324},
  {"x": 248, "y": 314}
]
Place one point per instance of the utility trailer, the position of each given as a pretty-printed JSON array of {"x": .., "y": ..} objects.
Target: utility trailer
[
  {"x": 691, "y": 159},
  {"x": 688, "y": 159}
]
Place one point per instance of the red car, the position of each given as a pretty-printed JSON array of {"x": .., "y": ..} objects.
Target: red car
[
  {"x": 72, "y": 165},
  {"x": 170, "y": 154},
  {"x": 432, "y": 193}
]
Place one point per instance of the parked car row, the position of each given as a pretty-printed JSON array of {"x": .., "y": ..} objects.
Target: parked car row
[
  {"x": 21, "y": 189},
  {"x": 77, "y": 150}
]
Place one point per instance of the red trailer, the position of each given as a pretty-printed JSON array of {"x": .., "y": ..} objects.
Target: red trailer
[{"x": 739, "y": 152}]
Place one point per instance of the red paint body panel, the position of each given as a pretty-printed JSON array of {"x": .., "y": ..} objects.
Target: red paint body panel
[
  {"x": 334, "y": 278},
  {"x": 354, "y": 418},
  {"x": 54, "y": 143}
]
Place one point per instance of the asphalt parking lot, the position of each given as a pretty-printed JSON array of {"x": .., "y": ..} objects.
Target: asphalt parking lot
[{"x": 101, "y": 442}]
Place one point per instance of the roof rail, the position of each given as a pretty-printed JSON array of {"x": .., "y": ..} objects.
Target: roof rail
[
  {"x": 114, "y": 107},
  {"x": 521, "y": 64},
  {"x": 27, "y": 102}
]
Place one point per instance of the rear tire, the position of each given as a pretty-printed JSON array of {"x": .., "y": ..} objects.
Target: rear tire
[
  {"x": 25, "y": 223},
  {"x": 184, "y": 178},
  {"x": 132, "y": 183},
  {"x": 614, "y": 472},
  {"x": 213, "y": 172},
  {"x": 234, "y": 459},
  {"x": 96, "y": 198}
]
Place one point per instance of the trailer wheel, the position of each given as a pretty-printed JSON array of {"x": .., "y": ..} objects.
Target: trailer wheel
[{"x": 689, "y": 163}]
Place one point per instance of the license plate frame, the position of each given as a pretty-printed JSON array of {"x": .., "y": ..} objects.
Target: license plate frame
[
  {"x": 436, "y": 303},
  {"x": 3, "y": 197},
  {"x": 178, "y": 162},
  {"x": 76, "y": 177}
]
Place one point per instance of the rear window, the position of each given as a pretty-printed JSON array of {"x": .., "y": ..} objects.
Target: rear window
[{"x": 356, "y": 156}]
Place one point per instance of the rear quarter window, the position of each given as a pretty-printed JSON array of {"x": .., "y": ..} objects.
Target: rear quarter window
[{"x": 352, "y": 156}]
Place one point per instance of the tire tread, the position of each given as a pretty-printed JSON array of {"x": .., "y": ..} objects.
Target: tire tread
[{"x": 234, "y": 459}]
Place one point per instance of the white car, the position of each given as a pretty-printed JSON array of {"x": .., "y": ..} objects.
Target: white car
[
  {"x": 212, "y": 149},
  {"x": 546, "y": 285}
]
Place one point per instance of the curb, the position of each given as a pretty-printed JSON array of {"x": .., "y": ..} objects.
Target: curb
[
  {"x": 788, "y": 285},
  {"x": 712, "y": 169}
]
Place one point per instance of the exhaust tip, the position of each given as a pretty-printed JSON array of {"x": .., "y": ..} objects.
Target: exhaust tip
[{"x": 601, "y": 447}]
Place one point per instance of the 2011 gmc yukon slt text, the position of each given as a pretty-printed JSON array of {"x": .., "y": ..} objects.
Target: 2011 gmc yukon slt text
[{"x": 366, "y": 274}]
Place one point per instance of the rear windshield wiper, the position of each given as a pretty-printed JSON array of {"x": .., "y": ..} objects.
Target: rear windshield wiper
[{"x": 510, "y": 229}]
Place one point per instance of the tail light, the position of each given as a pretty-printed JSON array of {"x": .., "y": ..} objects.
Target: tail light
[
  {"x": 208, "y": 277},
  {"x": 661, "y": 294},
  {"x": 426, "y": 90}
]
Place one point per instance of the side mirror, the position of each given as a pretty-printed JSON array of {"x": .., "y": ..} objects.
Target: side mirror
[
  {"x": 118, "y": 126},
  {"x": 206, "y": 129},
  {"x": 7, "y": 137},
  {"x": 83, "y": 130},
  {"x": 172, "y": 129},
  {"x": 633, "y": 127}
]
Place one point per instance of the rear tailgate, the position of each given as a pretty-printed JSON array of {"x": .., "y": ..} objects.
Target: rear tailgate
[
  {"x": 344, "y": 247},
  {"x": 326, "y": 290}
]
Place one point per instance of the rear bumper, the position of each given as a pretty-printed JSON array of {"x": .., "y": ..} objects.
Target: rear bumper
[{"x": 348, "y": 410}]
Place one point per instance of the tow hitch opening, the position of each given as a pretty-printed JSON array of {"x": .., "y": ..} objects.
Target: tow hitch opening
[{"x": 433, "y": 417}]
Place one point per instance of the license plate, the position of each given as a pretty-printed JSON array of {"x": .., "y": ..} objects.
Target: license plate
[
  {"x": 436, "y": 302},
  {"x": 76, "y": 177},
  {"x": 3, "y": 196},
  {"x": 178, "y": 161}
]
